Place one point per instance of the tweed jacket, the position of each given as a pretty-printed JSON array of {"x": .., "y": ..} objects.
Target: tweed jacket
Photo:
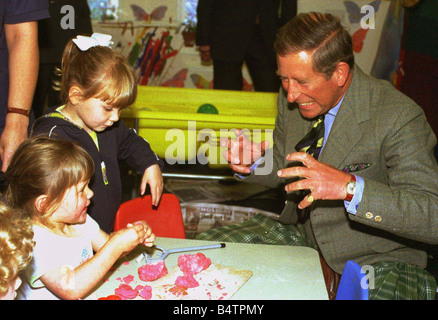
[{"x": 383, "y": 131}]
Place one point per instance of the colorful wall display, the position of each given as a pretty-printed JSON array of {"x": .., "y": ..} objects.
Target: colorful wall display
[{"x": 364, "y": 20}]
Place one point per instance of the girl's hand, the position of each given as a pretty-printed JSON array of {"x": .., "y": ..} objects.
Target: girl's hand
[
  {"x": 149, "y": 237},
  {"x": 153, "y": 177},
  {"x": 133, "y": 235}
]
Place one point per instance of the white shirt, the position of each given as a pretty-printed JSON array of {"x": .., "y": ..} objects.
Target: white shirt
[{"x": 53, "y": 251}]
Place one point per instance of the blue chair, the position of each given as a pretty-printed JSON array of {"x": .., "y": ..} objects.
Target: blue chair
[{"x": 350, "y": 285}]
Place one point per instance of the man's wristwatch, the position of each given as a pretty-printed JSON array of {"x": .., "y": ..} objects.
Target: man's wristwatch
[{"x": 351, "y": 188}]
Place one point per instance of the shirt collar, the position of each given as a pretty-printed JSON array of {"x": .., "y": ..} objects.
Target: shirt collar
[{"x": 334, "y": 111}]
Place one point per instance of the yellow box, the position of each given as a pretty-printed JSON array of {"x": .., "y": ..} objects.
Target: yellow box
[{"x": 168, "y": 119}]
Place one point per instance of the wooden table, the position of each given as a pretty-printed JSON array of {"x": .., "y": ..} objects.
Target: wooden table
[{"x": 279, "y": 272}]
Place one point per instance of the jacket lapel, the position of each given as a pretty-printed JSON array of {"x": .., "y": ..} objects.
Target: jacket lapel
[{"x": 345, "y": 132}]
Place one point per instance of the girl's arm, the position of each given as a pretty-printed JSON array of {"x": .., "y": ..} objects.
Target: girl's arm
[
  {"x": 154, "y": 178},
  {"x": 100, "y": 240},
  {"x": 75, "y": 284}
]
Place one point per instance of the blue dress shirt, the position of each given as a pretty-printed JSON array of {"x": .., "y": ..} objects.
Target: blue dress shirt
[{"x": 328, "y": 123}]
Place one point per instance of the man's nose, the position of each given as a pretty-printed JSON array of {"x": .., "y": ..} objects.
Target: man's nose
[{"x": 292, "y": 91}]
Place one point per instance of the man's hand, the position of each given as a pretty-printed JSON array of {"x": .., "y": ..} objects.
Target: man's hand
[
  {"x": 205, "y": 53},
  {"x": 241, "y": 153},
  {"x": 324, "y": 181}
]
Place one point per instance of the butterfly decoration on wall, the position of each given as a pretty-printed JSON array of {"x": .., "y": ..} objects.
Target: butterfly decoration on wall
[
  {"x": 177, "y": 80},
  {"x": 141, "y": 15},
  {"x": 200, "y": 82},
  {"x": 358, "y": 39},
  {"x": 354, "y": 14}
]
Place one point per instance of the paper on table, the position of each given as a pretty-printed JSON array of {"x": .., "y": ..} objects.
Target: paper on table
[{"x": 217, "y": 282}]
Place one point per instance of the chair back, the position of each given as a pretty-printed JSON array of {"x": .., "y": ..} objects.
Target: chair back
[
  {"x": 165, "y": 220},
  {"x": 350, "y": 287}
]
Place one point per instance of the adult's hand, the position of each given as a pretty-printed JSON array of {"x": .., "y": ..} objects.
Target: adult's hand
[
  {"x": 205, "y": 53},
  {"x": 14, "y": 133},
  {"x": 241, "y": 153},
  {"x": 324, "y": 181}
]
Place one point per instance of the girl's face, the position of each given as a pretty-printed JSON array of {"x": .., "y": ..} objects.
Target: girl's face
[
  {"x": 13, "y": 287},
  {"x": 94, "y": 114},
  {"x": 73, "y": 208}
]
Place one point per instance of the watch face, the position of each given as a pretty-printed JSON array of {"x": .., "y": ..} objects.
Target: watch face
[{"x": 351, "y": 187}]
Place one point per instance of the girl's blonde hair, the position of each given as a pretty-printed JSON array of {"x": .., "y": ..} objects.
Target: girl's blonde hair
[
  {"x": 16, "y": 246},
  {"x": 100, "y": 72},
  {"x": 45, "y": 166}
]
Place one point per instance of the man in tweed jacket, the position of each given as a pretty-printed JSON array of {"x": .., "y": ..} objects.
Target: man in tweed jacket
[{"x": 373, "y": 132}]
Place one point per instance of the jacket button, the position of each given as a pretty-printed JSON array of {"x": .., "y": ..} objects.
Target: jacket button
[
  {"x": 378, "y": 219},
  {"x": 369, "y": 215}
]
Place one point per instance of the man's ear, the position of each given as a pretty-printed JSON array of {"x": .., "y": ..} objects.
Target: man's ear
[
  {"x": 41, "y": 203},
  {"x": 341, "y": 73},
  {"x": 75, "y": 95}
]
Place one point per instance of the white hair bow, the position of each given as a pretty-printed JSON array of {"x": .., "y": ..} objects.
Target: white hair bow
[{"x": 97, "y": 39}]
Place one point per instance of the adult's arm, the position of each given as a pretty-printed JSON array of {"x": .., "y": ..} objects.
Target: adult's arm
[{"x": 22, "y": 45}]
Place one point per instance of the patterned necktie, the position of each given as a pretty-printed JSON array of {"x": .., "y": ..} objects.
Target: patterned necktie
[{"x": 312, "y": 142}]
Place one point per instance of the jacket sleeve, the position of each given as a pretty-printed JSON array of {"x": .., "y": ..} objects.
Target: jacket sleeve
[
  {"x": 407, "y": 203},
  {"x": 135, "y": 150}
]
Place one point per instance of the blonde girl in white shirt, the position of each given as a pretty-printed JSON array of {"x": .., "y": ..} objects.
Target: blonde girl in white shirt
[{"x": 48, "y": 180}]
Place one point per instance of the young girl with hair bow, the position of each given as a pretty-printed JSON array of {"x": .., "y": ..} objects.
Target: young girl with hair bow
[{"x": 96, "y": 85}]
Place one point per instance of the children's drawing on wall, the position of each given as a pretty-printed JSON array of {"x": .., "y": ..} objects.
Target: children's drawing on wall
[
  {"x": 157, "y": 12},
  {"x": 200, "y": 82},
  {"x": 143, "y": 31},
  {"x": 177, "y": 80},
  {"x": 150, "y": 55},
  {"x": 152, "y": 35}
]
